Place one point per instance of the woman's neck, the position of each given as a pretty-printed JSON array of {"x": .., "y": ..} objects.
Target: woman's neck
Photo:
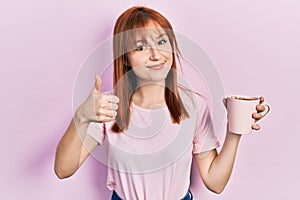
[{"x": 150, "y": 95}]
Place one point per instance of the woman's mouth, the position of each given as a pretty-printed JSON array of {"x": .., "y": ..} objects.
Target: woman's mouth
[{"x": 156, "y": 67}]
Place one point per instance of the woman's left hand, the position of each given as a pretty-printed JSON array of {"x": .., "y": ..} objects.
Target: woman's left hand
[{"x": 257, "y": 116}]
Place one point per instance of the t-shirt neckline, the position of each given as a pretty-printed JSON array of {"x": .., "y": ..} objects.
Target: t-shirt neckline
[{"x": 163, "y": 107}]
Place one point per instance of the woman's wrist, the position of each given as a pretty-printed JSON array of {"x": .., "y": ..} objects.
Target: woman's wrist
[
  {"x": 80, "y": 122},
  {"x": 232, "y": 134},
  {"x": 79, "y": 117},
  {"x": 231, "y": 142}
]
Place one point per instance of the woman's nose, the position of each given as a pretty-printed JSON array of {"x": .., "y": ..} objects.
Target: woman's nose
[{"x": 154, "y": 54}]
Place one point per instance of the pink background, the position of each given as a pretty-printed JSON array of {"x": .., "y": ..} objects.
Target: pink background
[{"x": 254, "y": 43}]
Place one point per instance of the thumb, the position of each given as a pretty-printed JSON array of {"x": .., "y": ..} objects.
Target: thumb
[{"x": 98, "y": 83}]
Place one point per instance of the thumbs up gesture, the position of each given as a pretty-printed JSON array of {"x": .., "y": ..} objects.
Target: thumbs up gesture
[{"x": 98, "y": 107}]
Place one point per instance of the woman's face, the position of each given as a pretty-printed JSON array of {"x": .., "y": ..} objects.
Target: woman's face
[{"x": 151, "y": 57}]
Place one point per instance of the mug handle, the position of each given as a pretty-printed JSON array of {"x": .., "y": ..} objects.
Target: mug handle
[{"x": 266, "y": 112}]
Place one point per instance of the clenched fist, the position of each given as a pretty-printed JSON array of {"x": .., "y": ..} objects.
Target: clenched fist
[{"x": 98, "y": 107}]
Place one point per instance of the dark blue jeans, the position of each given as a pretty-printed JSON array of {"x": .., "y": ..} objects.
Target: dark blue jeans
[{"x": 188, "y": 196}]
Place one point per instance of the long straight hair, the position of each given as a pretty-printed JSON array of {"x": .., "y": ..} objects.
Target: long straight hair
[{"x": 124, "y": 80}]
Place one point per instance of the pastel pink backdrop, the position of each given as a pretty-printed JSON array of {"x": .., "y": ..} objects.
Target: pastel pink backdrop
[{"x": 254, "y": 44}]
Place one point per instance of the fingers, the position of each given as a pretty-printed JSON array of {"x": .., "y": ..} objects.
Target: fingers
[
  {"x": 102, "y": 113},
  {"x": 111, "y": 98},
  {"x": 99, "y": 107},
  {"x": 260, "y": 108},
  {"x": 106, "y": 98},
  {"x": 103, "y": 118},
  {"x": 106, "y": 107},
  {"x": 110, "y": 106},
  {"x": 105, "y": 115},
  {"x": 255, "y": 127},
  {"x": 256, "y": 116}
]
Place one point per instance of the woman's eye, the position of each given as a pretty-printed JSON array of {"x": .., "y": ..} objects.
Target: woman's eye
[
  {"x": 160, "y": 42},
  {"x": 140, "y": 48}
]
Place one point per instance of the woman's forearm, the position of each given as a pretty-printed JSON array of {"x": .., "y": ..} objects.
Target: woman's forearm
[
  {"x": 76, "y": 144},
  {"x": 70, "y": 152},
  {"x": 218, "y": 167},
  {"x": 221, "y": 167}
]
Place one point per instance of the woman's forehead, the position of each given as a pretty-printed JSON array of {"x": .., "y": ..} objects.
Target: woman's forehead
[{"x": 148, "y": 33}]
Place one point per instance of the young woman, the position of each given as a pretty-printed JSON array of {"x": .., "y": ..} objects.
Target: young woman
[{"x": 151, "y": 126}]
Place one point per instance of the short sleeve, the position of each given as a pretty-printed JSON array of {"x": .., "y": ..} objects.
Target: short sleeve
[
  {"x": 96, "y": 131},
  {"x": 205, "y": 138}
]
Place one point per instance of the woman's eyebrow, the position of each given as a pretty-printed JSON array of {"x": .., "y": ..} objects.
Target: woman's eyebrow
[
  {"x": 161, "y": 35},
  {"x": 140, "y": 41},
  {"x": 145, "y": 41}
]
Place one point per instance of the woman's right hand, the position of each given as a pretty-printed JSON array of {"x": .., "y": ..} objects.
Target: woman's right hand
[{"x": 98, "y": 107}]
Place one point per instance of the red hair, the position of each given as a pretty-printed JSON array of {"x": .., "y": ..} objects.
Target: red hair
[{"x": 124, "y": 80}]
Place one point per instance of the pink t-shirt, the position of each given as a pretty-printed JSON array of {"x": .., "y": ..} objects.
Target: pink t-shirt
[{"x": 152, "y": 159}]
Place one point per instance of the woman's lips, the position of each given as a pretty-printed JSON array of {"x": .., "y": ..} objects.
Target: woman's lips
[{"x": 156, "y": 67}]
